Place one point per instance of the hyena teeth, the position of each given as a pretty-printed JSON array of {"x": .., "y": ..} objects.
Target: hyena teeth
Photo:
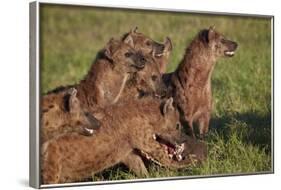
[
  {"x": 154, "y": 136},
  {"x": 157, "y": 96},
  {"x": 179, "y": 157},
  {"x": 170, "y": 156},
  {"x": 90, "y": 131},
  {"x": 182, "y": 145},
  {"x": 229, "y": 53},
  {"x": 159, "y": 55}
]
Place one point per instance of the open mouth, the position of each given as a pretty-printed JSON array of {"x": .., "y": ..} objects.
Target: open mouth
[
  {"x": 138, "y": 66},
  {"x": 173, "y": 150},
  {"x": 229, "y": 53},
  {"x": 157, "y": 95},
  {"x": 158, "y": 54}
]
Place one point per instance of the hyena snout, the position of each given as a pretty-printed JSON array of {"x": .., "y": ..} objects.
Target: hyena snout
[
  {"x": 139, "y": 61},
  {"x": 230, "y": 47}
]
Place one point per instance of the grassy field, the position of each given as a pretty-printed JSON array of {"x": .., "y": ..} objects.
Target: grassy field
[{"x": 239, "y": 140}]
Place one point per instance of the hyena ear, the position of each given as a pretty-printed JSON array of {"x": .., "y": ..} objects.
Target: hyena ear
[
  {"x": 134, "y": 30},
  {"x": 204, "y": 36},
  {"x": 211, "y": 33},
  {"x": 168, "y": 106},
  {"x": 212, "y": 28},
  {"x": 71, "y": 102},
  {"x": 110, "y": 48},
  {"x": 168, "y": 44},
  {"x": 129, "y": 40}
]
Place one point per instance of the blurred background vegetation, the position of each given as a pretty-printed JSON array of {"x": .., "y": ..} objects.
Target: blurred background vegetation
[{"x": 240, "y": 134}]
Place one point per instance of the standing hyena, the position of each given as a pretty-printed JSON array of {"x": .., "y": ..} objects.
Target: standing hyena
[
  {"x": 161, "y": 52},
  {"x": 141, "y": 125},
  {"x": 61, "y": 113},
  {"x": 190, "y": 84}
]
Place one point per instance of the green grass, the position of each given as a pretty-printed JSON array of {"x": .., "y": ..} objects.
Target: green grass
[{"x": 240, "y": 133}]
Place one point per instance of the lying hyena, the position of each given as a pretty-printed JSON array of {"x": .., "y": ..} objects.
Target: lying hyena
[
  {"x": 190, "y": 84},
  {"x": 61, "y": 112},
  {"x": 161, "y": 52},
  {"x": 140, "y": 125}
]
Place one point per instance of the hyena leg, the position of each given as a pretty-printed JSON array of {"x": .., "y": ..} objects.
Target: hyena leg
[
  {"x": 185, "y": 121},
  {"x": 51, "y": 168},
  {"x": 135, "y": 164},
  {"x": 190, "y": 124},
  {"x": 203, "y": 123}
]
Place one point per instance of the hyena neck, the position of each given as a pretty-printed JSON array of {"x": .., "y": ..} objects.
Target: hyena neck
[
  {"x": 87, "y": 88},
  {"x": 84, "y": 92},
  {"x": 196, "y": 67},
  {"x": 131, "y": 90}
]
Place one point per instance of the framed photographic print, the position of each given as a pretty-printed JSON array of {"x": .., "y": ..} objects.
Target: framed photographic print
[{"x": 128, "y": 94}]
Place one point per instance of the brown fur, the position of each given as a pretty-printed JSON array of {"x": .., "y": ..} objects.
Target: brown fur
[
  {"x": 146, "y": 82},
  {"x": 113, "y": 70},
  {"x": 190, "y": 84},
  {"x": 103, "y": 86},
  {"x": 61, "y": 113},
  {"x": 73, "y": 157},
  {"x": 109, "y": 73},
  {"x": 161, "y": 52}
]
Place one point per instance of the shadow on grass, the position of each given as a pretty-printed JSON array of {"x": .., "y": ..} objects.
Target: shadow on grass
[{"x": 252, "y": 128}]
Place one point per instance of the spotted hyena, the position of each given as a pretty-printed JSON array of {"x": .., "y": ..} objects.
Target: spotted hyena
[
  {"x": 115, "y": 66},
  {"x": 160, "y": 51},
  {"x": 109, "y": 74},
  {"x": 147, "y": 126},
  {"x": 115, "y": 69},
  {"x": 61, "y": 113},
  {"x": 190, "y": 84}
]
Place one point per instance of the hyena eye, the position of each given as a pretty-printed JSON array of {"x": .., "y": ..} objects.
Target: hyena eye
[
  {"x": 223, "y": 41},
  {"x": 128, "y": 54},
  {"x": 217, "y": 46},
  {"x": 178, "y": 126},
  {"x": 154, "y": 77}
]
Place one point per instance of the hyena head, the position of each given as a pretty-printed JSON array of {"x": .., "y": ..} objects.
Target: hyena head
[
  {"x": 148, "y": 80},
  {"x": 172, "y": 126},
  {"x": 61, "y": 111},
  {"x": 217, "y": 43},
  {"x": 170, "y": 134},
  {"x": 123, "y": 56},
  {"x": 142, "y": 70},
  {"x": 160, "y": 51}
]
